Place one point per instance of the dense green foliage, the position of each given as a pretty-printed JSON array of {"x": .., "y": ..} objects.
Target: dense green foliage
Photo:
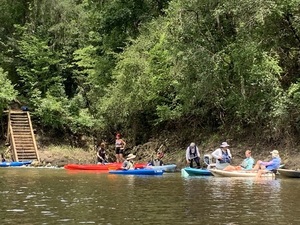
[
  {"x": 141, "y": 66},
  {"x": 7, "y": 91}
]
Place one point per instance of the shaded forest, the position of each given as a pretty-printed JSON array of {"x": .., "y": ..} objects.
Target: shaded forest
[{"x": 196, "y": 69}]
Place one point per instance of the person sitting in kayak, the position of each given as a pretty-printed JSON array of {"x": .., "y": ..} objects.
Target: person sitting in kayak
[
  {"x": 247, "y": 163},
  {"x": 101, "y": 153},
  {"x": 192, "y": 154},
  {"x": 158, "y": 160},
  {"x": 222, "y": 155},
  {"x": 128, "y": 164},
  {"x": 263, "y": 167}
]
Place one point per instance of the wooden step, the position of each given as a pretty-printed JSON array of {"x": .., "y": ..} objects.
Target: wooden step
[
  {"x": 25, "y": 149},
  {"x": 25, "y": 142},
  {"x": 23, "y": 155},
  {"x": 23, "y": 135},
  {"x": 26, "y": 153},
  {"x": 19, "y": 118},
  {"x": 26, "y": 158},
  {"x": 24, "y": 138}
]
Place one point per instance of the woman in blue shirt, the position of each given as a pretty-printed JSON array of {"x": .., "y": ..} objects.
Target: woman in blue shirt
[{"x": 272, "y": 165}]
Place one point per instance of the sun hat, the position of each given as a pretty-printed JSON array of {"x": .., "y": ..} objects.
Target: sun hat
[
  {"x": 130, "y": 156},
  {"x": 192, "y": 144},
  {"x": 274, "y": 152},
  {"x": 224, "y": 144}
]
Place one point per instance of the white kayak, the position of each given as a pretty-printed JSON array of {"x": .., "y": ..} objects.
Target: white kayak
[
  {"x": 166, "y": 168},
  {"x": 239, "y": 173}
]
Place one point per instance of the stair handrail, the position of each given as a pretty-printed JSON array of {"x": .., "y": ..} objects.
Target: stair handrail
[
  {"x": 8, "y": 129},
  {"x": 12, "y": 140},
  {"x": 33, "y": 137}
]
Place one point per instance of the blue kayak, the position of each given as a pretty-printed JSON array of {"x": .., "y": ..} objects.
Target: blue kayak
[
  {"x": 145, "y": 171},
  {"x": 188, "y": 171},
  {"x": 11, "y": 164}
]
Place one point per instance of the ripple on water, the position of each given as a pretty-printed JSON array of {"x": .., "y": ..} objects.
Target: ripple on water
[{"x": 15, "y": 210}]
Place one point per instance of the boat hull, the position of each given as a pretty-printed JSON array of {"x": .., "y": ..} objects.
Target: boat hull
[
  {"x": 105, "y": 167},
  {"x": 222, "y": 173},
  {"x": 166, "y": 168},
  {"x": 14, "y": 164},
  {"x": 195, "y": 172},
  {"x": 289, "y": 173},
  {"x": 144, "y": 171}
]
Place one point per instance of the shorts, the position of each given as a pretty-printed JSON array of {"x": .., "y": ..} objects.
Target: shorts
[
  {"x": 221, "y": 166},
  {"x": 119, "y": 151}
]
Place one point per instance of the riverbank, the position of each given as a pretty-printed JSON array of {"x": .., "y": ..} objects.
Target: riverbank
[{"x": 62, "y": 155}]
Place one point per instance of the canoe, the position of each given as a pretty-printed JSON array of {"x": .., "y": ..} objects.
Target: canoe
[
  {"x": 222, "y": 173},
  {"x": 289, "y": 173},
  {"x": 166, "y": 168},
  {"x": 107, "y": 166},
  {"x": 188, "y": 171},
  {"x": 144, "y": 171},
  {"x": 12, "y": 164}
]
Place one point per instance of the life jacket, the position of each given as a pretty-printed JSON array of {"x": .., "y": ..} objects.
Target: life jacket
[
  {"x": 102, "y": 152},
  {"x": 225, "y": 157},
  {"x": 193, "y": 154},
  {"x": 157, "y": 162}
]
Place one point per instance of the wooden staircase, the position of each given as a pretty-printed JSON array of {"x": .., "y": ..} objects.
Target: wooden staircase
[{"x": 21, "y": 136}]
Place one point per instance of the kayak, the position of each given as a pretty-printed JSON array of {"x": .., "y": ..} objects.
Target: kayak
[
  {"x": 107, "y": 166},
  {"x": 11, "y": 164},
  {"x": 144, "y": 171},
  {"x": 166, "y": 168},
  {"x": 240, "y": 173},
  {"x": 188, "y": 171},
  {"x": 289, "y": 173},
  {"x": 92, "y": 166}
]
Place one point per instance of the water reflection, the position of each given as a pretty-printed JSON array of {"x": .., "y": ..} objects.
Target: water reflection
[
  {"x": 234, "y": 199},
  {"x": 59, "y": 197}
]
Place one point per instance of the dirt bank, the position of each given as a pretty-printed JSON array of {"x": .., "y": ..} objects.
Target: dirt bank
[{"x": 59, "y": 155}]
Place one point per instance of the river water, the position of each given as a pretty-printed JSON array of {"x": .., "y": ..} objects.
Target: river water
[{"x": 58, "y": 196}]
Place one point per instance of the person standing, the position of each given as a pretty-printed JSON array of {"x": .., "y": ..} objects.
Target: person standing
[
  {"x": 101, "y": 153},
  {"x": 119, "y": 146},
  {"x": 222, "y": 155},
  {"x": 193, "y": 154}
]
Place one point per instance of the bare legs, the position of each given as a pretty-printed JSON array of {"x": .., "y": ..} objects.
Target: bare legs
[
  {"x": 232, "y": 168},
  {"x": 261, "y": 169},
  {"x": 119, "y": 158},
  {"x": 258, "y": 166}
]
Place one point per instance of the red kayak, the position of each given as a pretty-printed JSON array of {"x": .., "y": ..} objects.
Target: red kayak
[{"x": 107, "y": 166}]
